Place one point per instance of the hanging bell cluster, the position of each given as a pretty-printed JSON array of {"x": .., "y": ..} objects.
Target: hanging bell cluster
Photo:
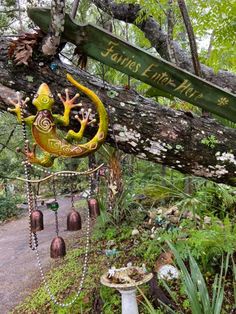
[
  {"x": 74, "y": 223},
  {"x": 93, "y": 206}
]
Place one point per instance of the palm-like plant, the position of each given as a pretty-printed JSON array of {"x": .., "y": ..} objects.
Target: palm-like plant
[{"x": 196, "y": 288}]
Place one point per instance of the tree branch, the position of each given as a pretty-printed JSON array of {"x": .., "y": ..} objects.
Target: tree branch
[
  {"x": 158, "y": 39},
  {"x": 191, "y": 37},
  {"x": 138, "y": 126},
  {"x": 75, "y": 8}
]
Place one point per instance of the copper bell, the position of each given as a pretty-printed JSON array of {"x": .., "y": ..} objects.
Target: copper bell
[
  {"x": 94, "y": 210},
  {"x": 36, "y": 221},
  {"x": 73, "y": 220},
  {"x": 58, "y": 247}
]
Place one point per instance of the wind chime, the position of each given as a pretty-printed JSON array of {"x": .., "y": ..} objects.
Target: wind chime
[{"x": 43, "y": 127}]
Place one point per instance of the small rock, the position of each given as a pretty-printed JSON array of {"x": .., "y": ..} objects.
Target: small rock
[
  {"x": 207, "y": 220},
  {"x": 173, "y": 219},
  {"x": 153, "y": 229},
  {"x": 135, "y": 232},
  {"x": 171, "y": 210},
  {"x": 152, "y": 214},
  {"x": 177, "y": 213},
  {"x": 189, "y": 214}
]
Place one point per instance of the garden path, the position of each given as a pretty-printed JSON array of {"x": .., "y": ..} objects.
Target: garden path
[{"x": 19, "y": 273}]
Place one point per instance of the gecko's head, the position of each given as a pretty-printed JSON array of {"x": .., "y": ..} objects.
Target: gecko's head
[{"x": 44, "y": 98}]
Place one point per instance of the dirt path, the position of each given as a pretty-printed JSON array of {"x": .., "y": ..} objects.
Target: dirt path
[{"x": 18, "y": 268}]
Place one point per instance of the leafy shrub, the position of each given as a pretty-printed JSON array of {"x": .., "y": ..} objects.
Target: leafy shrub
[{"x": 8, "y": 207}]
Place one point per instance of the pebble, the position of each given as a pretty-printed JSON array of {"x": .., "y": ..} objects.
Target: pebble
[{"x": 135, "y": 232}]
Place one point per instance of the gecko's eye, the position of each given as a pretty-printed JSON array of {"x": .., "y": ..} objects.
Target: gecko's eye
[
  {"x": 50, "y": 95},
  {"x": 36, "y": 95}
]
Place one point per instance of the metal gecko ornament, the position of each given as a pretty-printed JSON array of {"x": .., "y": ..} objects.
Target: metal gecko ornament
[{"x": 43, "y": 125}]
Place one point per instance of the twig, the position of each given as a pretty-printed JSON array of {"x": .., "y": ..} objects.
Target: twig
[
  {"x": 8, "y": 140},
  {"x": 170, "y": 23},
  {"x": 192, "y": 41},
  {"x": 75, "y": 8}
]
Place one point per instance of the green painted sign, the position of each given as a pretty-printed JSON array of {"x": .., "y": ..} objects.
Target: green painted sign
[{"x": 115, "y": 52}]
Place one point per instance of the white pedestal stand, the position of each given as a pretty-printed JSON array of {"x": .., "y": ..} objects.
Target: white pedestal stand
[
  {"x": 127, "y": 290},
  {"x": 129, "y": 301}
]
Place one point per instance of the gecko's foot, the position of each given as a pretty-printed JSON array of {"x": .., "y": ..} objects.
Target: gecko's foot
[
  {"x": 85, "y": 117},
  {"x": 30, "y": 154},
  {"x": 69, "y": 102},
  {"x": 84, "y": 121},
  {"x": 19, "y": 104}
]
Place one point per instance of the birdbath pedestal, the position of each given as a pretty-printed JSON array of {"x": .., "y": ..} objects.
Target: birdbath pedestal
[{"x": 127, "y": 290}]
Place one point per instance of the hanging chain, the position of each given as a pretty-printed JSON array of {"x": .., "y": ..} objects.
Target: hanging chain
[
  {"x": 73, "y": 187},
  {"x": 29, "y": 192},
  {"x": 56, "y": 208}
]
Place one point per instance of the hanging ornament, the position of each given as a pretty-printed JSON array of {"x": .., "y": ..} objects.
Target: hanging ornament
[
  {"x": 94, "y": 210},
  {"x": 36, "y": 217},
  {"x": 43, "y": 127},
  {"x": 73, "y": 219},
  {"x": 37, "y": 221},
  {"x": 58, "y": 246}
]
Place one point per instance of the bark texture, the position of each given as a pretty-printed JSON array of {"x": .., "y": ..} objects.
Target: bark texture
[
  {"x": 159, "y": 40},
  {"x": 138, "y": 126}
]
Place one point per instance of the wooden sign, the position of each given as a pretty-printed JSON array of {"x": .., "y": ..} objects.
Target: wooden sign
[{"x": 103, "y": 46}]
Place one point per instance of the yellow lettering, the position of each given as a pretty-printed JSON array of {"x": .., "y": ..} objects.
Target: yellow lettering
[
  {"x": 171, "y": 83},
  {"x": 109, "y": 50},
  {"x": 149, "y": 69},
  {"x": 124, "y": 61},
  {"x": 138, "y": 66},
  {"x": 132, "y": 65},
  {"x": 114, "y": 57},
  {"x": 183, "y": 86},
  {"x": 189, "y": 92},
  {"x": 128, "y": 63},
  {"x": 198, "y": 97}
]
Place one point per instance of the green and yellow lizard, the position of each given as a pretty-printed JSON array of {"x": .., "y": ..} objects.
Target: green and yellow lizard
[{"x": 43, "y": 125}]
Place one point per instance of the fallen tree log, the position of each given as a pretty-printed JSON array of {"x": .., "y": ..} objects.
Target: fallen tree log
[{"x": 138, "y": 126}]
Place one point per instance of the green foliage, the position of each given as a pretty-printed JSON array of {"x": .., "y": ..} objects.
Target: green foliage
[
  {"x": 201, "y": 301},
  {"x": 63, "y": 278},
  {"x": 212, "y": 242},
  {"x": 111, "y": 300},
  {"x": 210, "y": 141},
  {"x": 8, "y": 206}
]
